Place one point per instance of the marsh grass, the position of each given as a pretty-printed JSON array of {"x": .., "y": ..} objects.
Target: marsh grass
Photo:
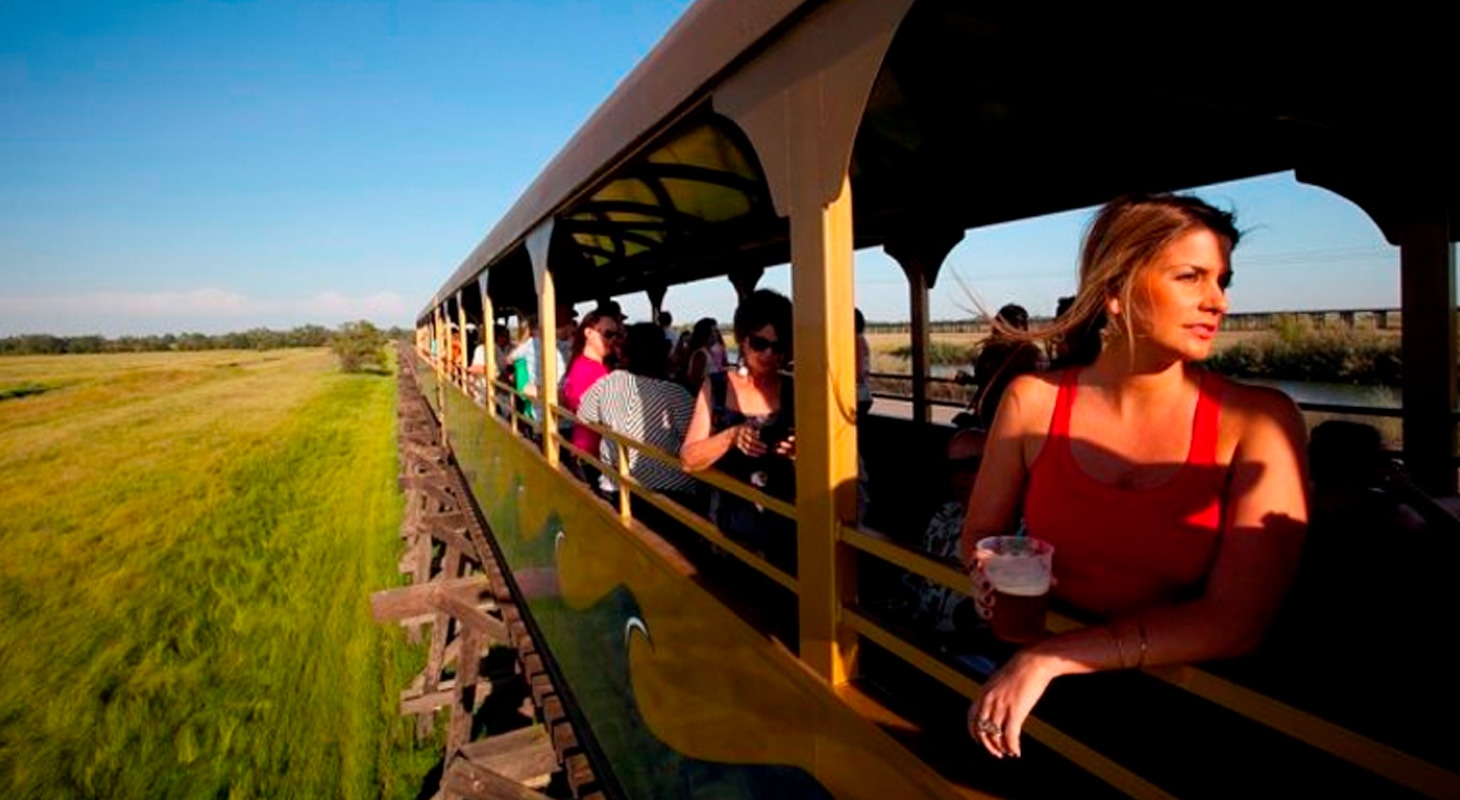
[
  {"x": 942, "y": 353},
  {"x": 1328, "y": 355},
  {"x": 188, "y": 543}
]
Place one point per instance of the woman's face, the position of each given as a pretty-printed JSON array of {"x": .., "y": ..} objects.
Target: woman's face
[
  {"x": 605, "y": 336},
  {"x": 762, "y": 350},
  {"x": 1179, "y": 299}
]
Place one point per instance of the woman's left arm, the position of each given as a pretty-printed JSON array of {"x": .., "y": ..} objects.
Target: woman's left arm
[{"x": 1257, "y": 556}]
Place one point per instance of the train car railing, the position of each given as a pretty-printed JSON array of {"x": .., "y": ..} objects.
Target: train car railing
[
  {"x": 871, "y": 542},
  {"x": 929, "y": 381},
  {"x": 501, "y": 402},
  {"x": 945, "y": 573},
  {"x": 1374, "y": 756},
  {"x": 500, "y": 407},
  {"x": 629, "y": 488}
]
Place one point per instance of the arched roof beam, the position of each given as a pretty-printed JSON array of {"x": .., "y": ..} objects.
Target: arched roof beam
[
  {"x": 617, "y": 233},
  {"x": 659, "y": 170},
  {"x": 633, "y": 207}
]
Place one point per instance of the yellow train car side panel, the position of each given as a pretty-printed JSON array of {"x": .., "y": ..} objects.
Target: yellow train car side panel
[{"x": 682, "y": 696}]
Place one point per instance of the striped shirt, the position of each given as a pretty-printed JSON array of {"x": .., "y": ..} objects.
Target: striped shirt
[{"x": 646, "y": 409}]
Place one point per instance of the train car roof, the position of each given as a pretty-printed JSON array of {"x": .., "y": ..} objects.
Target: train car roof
[
  {"x": 710, "y": 37},
  {"x": 1016, "y": 112}
]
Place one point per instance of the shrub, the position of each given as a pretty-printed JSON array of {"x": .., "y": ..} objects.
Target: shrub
[{"x": 359, "y": 347}]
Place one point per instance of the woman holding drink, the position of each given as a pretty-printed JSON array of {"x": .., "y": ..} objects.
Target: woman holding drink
[
  {"x": 742, "y": 425},
  {"x": 1174, "y": 500}
]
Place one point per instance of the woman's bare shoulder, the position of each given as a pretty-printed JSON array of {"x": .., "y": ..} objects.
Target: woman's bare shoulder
[
  {"x": 1031, "y": 396},
  {"x": 1248, "y": 409}
]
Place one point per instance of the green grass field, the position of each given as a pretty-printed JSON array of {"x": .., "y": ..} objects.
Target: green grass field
[{"x": 188, "y": 542}]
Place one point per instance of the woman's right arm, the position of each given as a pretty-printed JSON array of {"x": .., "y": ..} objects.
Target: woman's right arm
[
  {"x": 999, "y": 488},
  {"x": 701, "y": 448}
]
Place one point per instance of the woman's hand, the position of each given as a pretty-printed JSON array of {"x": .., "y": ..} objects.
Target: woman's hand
[
  {"x": 787, "y": 447},
  {"x": 747, "y": 440},
  {"x": 997, "y": 719}
]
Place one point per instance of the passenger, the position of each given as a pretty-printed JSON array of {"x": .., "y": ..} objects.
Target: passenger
[
  {"x": 742, "y": 425},
  {"x": 701, "y": 360},
  {"x": 1351, "y": 478},
  {"x": 719, "y": 357},
  {"x": 1077, "y": 347},
  {"x": 934, "y": 603},
  {"x": 864, "y": 367},
  {"x": 640, "y": 403},
  {"x": 611, "y": 308},
  {"x": 478, "y": 366},
  {"x": 671, "y": 336},
  {"x": 596, "y": 338},
  {"x": 679, "y": 359},
  {"x": 567, "y": 318},
  {"x": 503, "y": 341},
  {"x": 455, "y": 349},
  {"x": 1175, "y": 499},
  {"x": 526, "y": 362},
  {"x": 1004, "y": 356}
]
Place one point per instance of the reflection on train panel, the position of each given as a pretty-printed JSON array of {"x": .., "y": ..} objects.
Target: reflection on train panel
[{"x": 683, "y": 697}]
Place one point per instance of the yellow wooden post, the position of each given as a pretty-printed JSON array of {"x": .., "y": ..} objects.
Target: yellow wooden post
[
  {"x": 489, "y": 349},
  {"x": 917, "y": 286},
  {"x": 547, "y": 381},
  {"x": 1427, "y": 298},
  {"x": 800, "y": 103},
  {"x": 441, "y": 346},
  {"x": 625, "y": 508},
  {"x": 826, "y": 441},
  {"x": 920, "y": 249},
  {"x": 465, "y": 354}
]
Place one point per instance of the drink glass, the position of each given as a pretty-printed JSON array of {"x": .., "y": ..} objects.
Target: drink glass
[{"x": 1018, "y": 569}]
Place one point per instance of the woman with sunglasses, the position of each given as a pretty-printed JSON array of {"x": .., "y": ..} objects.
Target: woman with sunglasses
[
  {"x": 742, "y": 425},
  {"x": 595, "y": 340}
]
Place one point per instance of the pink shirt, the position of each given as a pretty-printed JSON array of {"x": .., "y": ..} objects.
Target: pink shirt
[{"x": 582, "y": 374}]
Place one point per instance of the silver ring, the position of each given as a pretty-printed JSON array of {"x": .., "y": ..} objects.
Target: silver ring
[{"x": 990, "y": 727}]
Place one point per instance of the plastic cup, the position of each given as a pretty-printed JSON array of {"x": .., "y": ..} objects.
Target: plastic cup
[{"x": 1018, "y": 569}]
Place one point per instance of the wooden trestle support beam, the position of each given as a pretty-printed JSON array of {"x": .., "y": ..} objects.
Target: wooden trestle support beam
[{"x": 465, "y": 601}]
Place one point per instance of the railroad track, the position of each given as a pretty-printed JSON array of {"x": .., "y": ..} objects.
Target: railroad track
[{"x": 483, "y": 666}]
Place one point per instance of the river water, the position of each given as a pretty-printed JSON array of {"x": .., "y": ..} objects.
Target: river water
[{"x": 1337, "y": 393}]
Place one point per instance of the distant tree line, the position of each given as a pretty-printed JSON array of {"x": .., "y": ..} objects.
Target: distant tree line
[{"x": 255, "y": 339}]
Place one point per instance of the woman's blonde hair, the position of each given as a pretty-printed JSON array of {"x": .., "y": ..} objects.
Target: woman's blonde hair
[{"x": 1126, "y": 235}]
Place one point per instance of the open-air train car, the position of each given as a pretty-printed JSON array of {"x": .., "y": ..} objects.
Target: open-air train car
[{"x": 787, "y": 131}]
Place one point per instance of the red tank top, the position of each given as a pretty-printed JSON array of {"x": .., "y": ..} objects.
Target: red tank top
[{"x": 1119, "y": 550}]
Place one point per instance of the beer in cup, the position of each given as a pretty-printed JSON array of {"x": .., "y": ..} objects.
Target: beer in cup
[{"x": 1018, "y": 570}]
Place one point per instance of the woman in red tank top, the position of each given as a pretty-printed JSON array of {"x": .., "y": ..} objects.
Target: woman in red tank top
[{"x": 1175, "y": 499}]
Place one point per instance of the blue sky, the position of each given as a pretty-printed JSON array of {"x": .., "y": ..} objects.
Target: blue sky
[{"x": 221, "y": 165}]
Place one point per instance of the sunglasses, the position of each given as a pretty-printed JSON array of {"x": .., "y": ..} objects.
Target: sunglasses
[
  {"x": 760, "y": 344},
  {"x": 612, "y": 333}
]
